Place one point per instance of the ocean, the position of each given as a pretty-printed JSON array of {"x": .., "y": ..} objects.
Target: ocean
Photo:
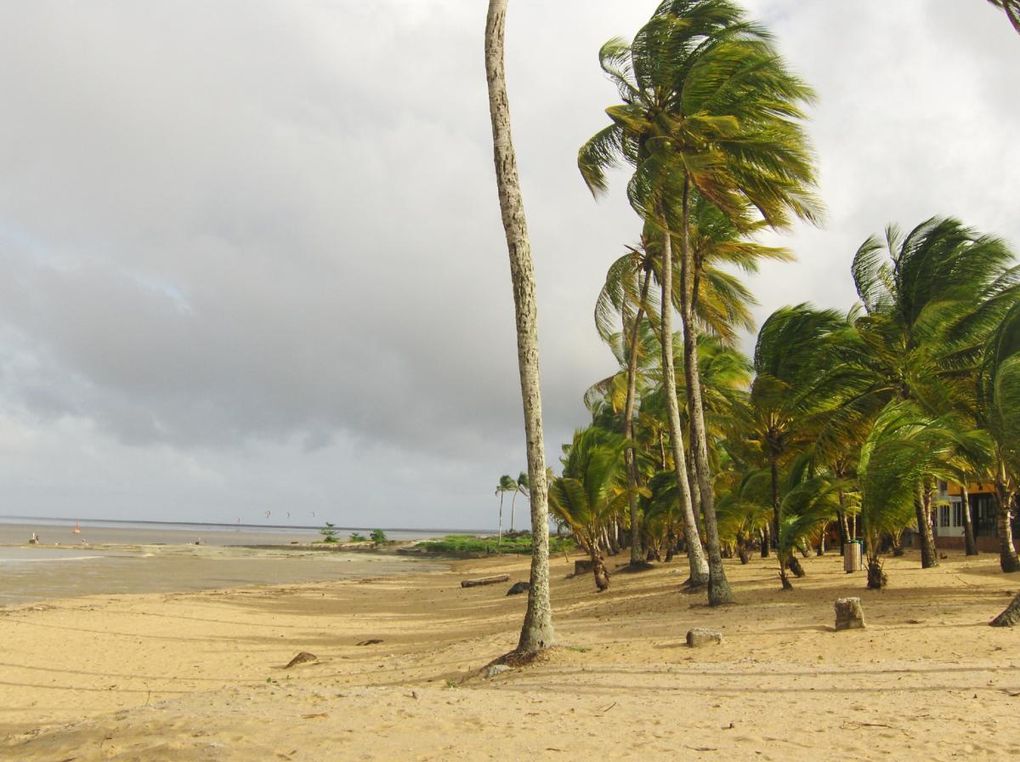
[
  {"x": 15, "y": 530},
  {"x": 116, "y": 557}
]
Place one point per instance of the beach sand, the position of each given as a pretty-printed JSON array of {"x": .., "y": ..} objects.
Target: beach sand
[{"x": 200, "y": 675}]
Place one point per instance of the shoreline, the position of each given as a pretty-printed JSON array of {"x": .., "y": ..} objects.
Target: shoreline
[
  {"x": 34, "y": 574},
  {"x": 201, "y": 675}
]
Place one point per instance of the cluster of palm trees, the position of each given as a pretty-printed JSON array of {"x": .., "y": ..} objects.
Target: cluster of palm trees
[
  {"x": 844, "y": 421},
  {"x": 515, "y": 487}
]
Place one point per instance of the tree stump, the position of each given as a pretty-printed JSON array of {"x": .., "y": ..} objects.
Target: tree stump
[
  {"x": 518, "y": 588},
  {"x": 581, "y": 566},
  {"x": 1009, "y": 617},
  {"x": 701, "y": 636},
  {"x": 849, "y": 614}
]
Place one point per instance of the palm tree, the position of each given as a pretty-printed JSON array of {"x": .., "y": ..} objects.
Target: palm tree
[
  {"x": 807, "y": 508},
  {"x": 931, "y": 299},
  {"x": 904, "y": 447},
  {"x": 793, "y": 384},
  {"x": 621, "y": 294},
  {"x": 506, "y": 484},
  {"x": 745, "y": 509},
  {"x": 537, "y": 630},
  {"x": 708, "y": 109},
  {"x": 999, "y": 395},
  {"x": 1012, "y": 9},
  {"x": 520, "y": 487},
  {"x": 1001, "y": 391},
  {"x": 590, "y": 492},
  {"x": 626, "y": 297},
  {"x": 500, "y": 492}
]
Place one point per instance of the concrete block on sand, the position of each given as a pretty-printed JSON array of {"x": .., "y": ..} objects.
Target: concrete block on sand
[
  {"x": 849, "y": 614},
  {"x": 701, "y": 636}
]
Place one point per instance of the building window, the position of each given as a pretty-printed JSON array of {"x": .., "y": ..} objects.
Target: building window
[
  {"x": 943, "y": 515},
  {"x": 957, "y": 514}
]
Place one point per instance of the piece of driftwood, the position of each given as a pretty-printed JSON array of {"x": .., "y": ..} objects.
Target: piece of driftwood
[
  {"x": 582, "y": 566},
  {"x": 370, "y": 642},
  {"x": 485, "y": 580},
  {"x": 849, "y": 614},
  {"x": 518, "y": 588},
  {"x": 302, "y": 658}
]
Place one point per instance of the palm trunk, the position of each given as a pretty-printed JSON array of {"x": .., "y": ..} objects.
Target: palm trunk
[
  {"x": 599, "y": 570},
  {"x": 628, "y": 427},
  {"x": 1004, "y": 497},
  {"x": 695, "y": 552},
  {"x": 968, "y": 523},
  {"x": 611, "y": 542},
  {"x": 718, "y": 586},
  {"x": 776, "y": 509},
  {"x": 513, "y": 506},
  {"x": 692, "y": 479},
  {"x": 844, "y": 528},
  {"x": 499, "y": 535},
  {"x": 537, "y": 630},
  {"x": 929, "y": 557}
]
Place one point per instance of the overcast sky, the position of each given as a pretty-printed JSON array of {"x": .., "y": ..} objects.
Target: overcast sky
[{"x": 251, "y": 257}]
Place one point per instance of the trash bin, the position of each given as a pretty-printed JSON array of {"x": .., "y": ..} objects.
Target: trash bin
[{"x": 853, "y": 556}]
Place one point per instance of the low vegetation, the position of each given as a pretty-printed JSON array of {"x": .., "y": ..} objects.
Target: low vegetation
[{"x": 474, "y": 545}]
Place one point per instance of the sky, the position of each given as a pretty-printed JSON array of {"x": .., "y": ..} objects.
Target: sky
[{"x": 251, "y": 260}]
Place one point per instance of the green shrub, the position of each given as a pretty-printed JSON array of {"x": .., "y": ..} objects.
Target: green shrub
[
  {"x": 378, "y": 536},
  {"x": 518, "y": 543},
  {"x": 358, "y": 537},
  {"x": 328, "y": 533}
]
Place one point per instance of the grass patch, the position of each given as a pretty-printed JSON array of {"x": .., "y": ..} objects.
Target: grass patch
[{"x": 473, "y": 545}]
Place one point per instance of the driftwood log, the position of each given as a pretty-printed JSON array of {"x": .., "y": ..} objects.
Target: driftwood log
[
  {"x": 302, "y": 658},
  {"x": 485, "y": 580}
]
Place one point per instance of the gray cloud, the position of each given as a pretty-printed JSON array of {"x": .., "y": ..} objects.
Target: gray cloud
[{"x": 250, "y": 254}]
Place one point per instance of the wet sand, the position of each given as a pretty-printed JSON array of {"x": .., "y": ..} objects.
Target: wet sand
[
  {"x": 200, "y": 675},
  {"x": 33, "y": 573}
]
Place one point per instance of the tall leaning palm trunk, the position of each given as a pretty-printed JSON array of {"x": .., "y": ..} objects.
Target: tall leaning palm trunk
[
  {"x": 718, "y": 586},
  {"x": 537, "y": 631},
  {"x": 630, "y": 454},
  {"x": 695, "y": 552}
]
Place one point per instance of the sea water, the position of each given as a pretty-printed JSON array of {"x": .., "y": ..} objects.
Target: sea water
[
  {"x": 17, "y": 531},
  {"x": 164, "y": 558}
]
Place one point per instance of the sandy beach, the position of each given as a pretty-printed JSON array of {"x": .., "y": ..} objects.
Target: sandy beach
[{"x": 200, "y": 675}]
